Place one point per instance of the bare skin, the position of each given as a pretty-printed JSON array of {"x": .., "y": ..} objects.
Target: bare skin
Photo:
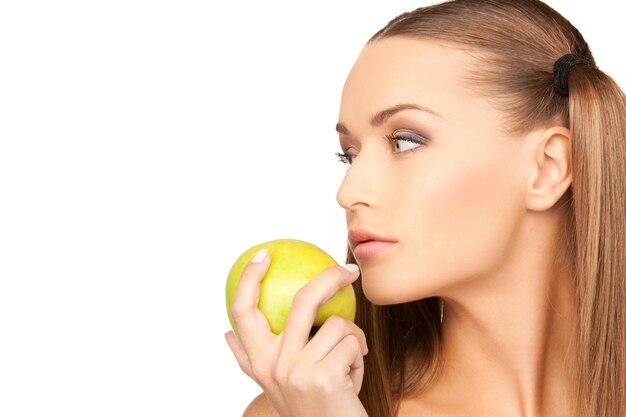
[{"x": 475, "y": 215}]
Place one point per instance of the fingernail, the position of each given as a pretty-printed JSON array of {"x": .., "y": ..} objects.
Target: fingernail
[
  {"x": 260, "y": 255},
  {"x": 351, "y": 267}
]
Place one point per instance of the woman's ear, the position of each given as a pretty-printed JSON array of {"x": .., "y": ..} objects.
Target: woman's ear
[{"x": 552, "y": 165}]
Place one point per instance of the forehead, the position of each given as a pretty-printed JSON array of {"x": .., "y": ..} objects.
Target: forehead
[{"x": 399, "y": 69}]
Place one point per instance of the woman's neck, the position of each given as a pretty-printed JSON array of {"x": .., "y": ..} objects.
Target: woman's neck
[{"x": 507, "y": 339}]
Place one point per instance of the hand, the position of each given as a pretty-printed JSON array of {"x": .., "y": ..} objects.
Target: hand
[{"x": 320, "y": 377}]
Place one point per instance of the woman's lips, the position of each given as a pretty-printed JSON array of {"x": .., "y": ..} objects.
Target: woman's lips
[{"x": 370, "y": 248}]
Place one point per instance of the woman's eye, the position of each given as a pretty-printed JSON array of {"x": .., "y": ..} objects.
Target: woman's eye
[
  {"x": 403, "y": 143},
  {"x": 407, "y": 141}
]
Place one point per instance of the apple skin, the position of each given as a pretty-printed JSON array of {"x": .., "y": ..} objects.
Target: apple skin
[{"x": 293, "y": 264}]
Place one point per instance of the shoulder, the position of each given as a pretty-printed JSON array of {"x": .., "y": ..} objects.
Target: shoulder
[{"x": 260, "y": 407}]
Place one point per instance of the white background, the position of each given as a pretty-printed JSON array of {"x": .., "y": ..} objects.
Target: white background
[{"x": 144, "y": 146}]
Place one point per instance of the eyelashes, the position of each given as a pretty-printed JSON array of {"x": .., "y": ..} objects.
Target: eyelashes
[
  {"x": 393, "y": 140},
  {"x": 343, "y": 158}
]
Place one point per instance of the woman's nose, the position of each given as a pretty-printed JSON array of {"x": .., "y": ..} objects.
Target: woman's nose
[{"x": 360, "y": 184}]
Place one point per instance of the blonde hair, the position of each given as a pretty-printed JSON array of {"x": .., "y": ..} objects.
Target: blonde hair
[{"x": 516, "y": 43}]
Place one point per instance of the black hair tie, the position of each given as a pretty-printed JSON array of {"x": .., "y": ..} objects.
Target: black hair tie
[{"x": 562, "y": 68}]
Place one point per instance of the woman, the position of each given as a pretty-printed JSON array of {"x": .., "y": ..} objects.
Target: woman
[{"x": 488, "y": 150}]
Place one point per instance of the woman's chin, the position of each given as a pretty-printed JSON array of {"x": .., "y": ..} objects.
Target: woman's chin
[
  {"x": 384, "y": 295},
  {"x": 382, "y": 292}
]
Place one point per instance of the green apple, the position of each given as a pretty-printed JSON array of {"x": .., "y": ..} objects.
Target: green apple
[{"x": 293, "y": 264}]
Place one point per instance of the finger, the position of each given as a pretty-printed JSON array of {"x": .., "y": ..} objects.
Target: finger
[
  {"x": 346, "y": 361},
  {"x": 239, "y": 352},
  {"x": 357, "y": 370},
  {"x": 333, "y": 331},
  {"x": 244, "y": 308},
  {"x": 307, "y": 301}
]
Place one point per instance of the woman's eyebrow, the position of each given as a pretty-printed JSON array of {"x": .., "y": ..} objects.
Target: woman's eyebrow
[{"x": 385, "y": 114}]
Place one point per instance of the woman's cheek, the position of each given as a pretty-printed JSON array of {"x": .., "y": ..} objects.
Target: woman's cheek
[{"x": 462, "y": 218}]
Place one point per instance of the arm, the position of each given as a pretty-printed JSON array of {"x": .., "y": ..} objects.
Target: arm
[{"x": 260, "y": 407}]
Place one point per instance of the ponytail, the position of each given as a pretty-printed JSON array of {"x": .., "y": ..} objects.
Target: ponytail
[{"x": 597, "y": 120}]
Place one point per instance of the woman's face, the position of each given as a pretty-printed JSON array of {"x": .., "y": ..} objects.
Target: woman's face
[{"x": 453, "y": 199}]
